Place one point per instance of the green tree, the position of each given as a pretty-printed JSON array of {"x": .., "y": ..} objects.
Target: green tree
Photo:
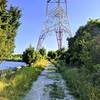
[
  {"x": 61, "y": 53},
  {"x": 52, "y": 55},
  {"x": 30, "y": 55},
  {"x": 84, "y": 47},
  {"x": 9, "y": 23},
  {"x": 42, "y": 51}
]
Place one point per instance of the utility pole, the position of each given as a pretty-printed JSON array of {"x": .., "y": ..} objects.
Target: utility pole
[{"x": 57, "y": 21}]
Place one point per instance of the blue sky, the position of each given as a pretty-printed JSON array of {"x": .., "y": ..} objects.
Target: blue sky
[{"x": 33, "y": 16}]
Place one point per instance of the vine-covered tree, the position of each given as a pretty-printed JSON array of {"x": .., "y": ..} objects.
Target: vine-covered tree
[{"x": 9, "y": 23}]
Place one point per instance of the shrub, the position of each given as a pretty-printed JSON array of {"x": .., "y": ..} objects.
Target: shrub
[
  {"x": 42, "y": 51},
  {"x": 29, "y": 56},
  {"x": 52, "y": 55}
]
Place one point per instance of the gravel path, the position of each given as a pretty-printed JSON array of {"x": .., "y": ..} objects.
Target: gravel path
[{"x": 48, "y": 86}]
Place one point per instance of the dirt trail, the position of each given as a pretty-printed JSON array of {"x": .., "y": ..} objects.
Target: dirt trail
[{"x": 49, "y": 86}]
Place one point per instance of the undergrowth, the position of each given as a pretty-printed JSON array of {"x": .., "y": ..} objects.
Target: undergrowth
[{"x": 80, "y": 82}]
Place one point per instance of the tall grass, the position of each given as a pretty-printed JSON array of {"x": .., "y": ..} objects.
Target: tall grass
[
  {"x": 15, "y": 86},
  {"x": 80, "y": 84},
  {"x": 2, "y": 86}
]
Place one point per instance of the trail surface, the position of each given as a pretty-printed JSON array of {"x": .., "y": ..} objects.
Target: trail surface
[{"x": 49, "y": 86}]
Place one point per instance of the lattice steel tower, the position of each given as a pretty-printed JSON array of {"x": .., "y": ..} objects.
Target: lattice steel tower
[{"x": 57, "y": 21}]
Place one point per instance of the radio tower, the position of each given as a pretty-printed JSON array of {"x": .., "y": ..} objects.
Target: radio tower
[{"x": 56, "y": 21}]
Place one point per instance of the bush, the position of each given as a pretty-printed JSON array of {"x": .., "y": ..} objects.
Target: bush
[
  {"x": 42, "y": 51},
  {"x": 30, "y": 55},
  {"x": 52, "y": 55},
  {"x": 84, "y": 47},
  {"x": 41, "y": 63}
]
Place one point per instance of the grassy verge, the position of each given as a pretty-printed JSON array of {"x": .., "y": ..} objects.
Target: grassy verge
[
  {"x": 16, "y": 84},
  {"x": 80, "y": 83}
]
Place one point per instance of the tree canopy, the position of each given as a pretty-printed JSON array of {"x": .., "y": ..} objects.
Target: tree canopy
[
  {"x": 52, "y": 54},
  {"x": 42, "y": 51},
  {"x": 84, "y": 47},
  {"x": 9, "y": 23}
]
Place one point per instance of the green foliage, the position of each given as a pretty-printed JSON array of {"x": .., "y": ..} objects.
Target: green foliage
[
  {"x": 30, "y": 55},
  {"x": 84, "y": 47},
  {"x": 61, "y": 53},
  {"x": 52, "y": 54},
  {"x": 56, "y": 92},
  {"x": 18, "y": 82},
  {"x": 16, "y": 57},
  {"x": 83, "y": 57},
  {"x": 83, "y": 85},
  {"x": 9, "y": 23},
  {"x": 42, "y": 51}
]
